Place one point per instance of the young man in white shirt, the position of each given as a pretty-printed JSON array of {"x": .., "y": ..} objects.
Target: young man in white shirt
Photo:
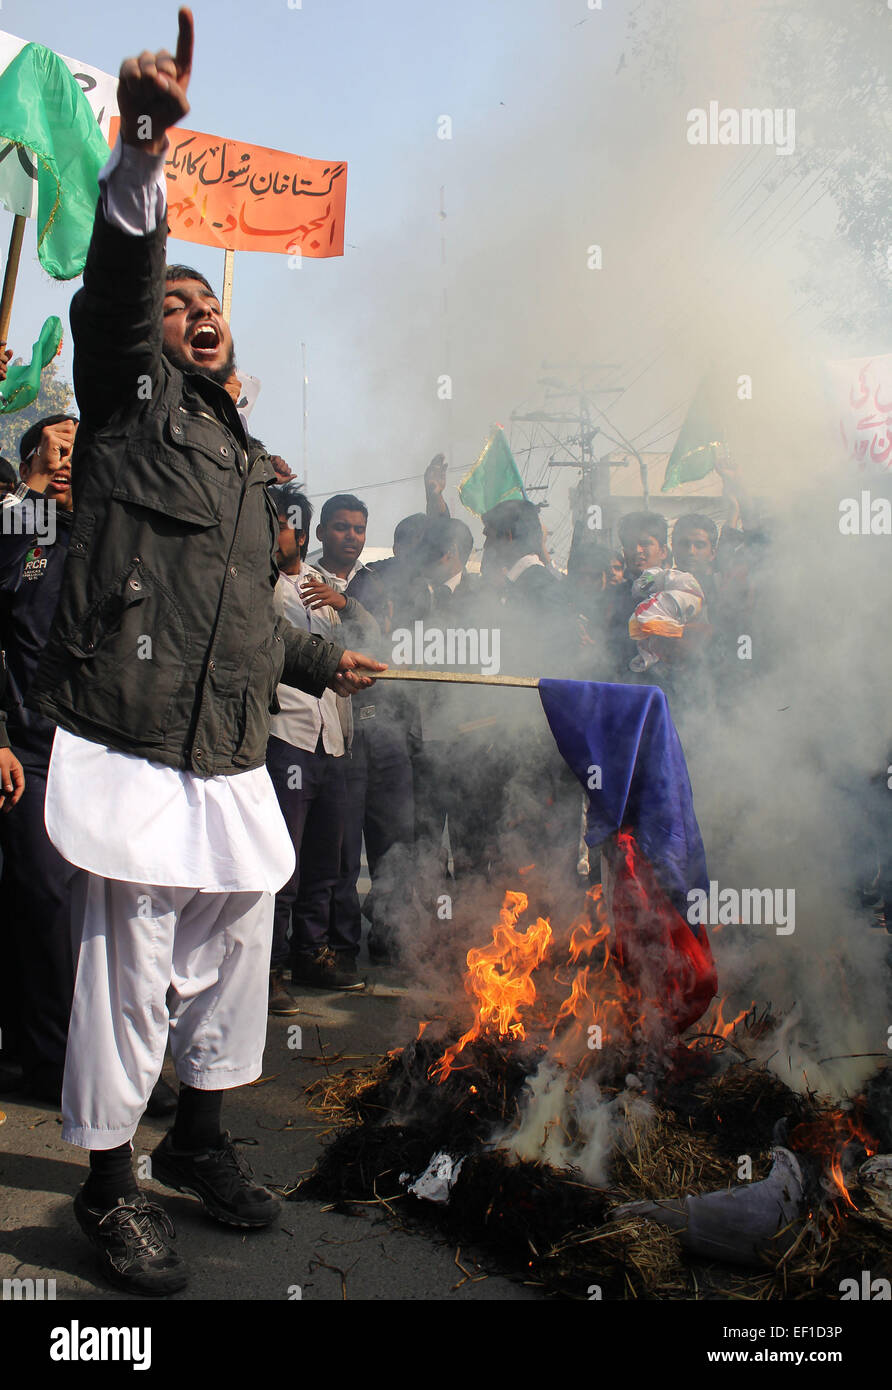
[{"x": 307, "y": 755}]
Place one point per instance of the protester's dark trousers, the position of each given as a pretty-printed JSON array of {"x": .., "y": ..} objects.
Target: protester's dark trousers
[
  {"x": 38, "y": 966},
  {"x": 345, "y": 924},
  {"x": 312, "y": 795}
]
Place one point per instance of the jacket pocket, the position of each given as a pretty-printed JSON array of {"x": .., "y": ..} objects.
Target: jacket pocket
[
  {"x": 264, "y": 674},
  {"x": 129, "y": 651},
  {"x": 182, "y": 476}
]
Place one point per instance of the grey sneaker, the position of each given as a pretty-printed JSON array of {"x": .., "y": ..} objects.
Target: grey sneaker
[
  {"x": 220, "y": 1179},
  {"x": 133, "y": 1239}
]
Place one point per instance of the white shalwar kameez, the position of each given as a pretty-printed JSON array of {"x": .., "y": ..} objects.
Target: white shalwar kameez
[{"x": 173, "y": 914}]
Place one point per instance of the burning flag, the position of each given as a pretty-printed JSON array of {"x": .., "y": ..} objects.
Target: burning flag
[{"x": 620, "y": 742}]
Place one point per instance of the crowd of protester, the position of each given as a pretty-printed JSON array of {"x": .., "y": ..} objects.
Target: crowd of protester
[
  {"x": 142, "y": 843},
  {"x": 428, "y": 779}
]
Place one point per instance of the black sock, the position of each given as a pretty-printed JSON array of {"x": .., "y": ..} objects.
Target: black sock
[
  {"x": 111, "y": 1177},
  {"x": 197, "y": 1124}
]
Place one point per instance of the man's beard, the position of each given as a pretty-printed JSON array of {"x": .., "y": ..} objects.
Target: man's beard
[{"x": 218, "y": 374}]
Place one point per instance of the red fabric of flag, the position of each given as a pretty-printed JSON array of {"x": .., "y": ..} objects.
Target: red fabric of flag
[{"x": 657, "y": 951}]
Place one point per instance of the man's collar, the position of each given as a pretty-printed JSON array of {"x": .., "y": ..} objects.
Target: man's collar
[
  {"x": 524, "y": 563},
  {"x": 335, "y": 579},
  {"x": 214, "y": 395}
]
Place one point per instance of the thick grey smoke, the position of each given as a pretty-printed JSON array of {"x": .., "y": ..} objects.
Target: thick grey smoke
[{"x": 789, "y": 768}]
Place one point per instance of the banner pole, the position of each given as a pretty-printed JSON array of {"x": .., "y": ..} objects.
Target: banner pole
[
  {"x": 306, "y": 467},
  {"x": 9, "y": 279},
  {"x": 228, "y": 268}
]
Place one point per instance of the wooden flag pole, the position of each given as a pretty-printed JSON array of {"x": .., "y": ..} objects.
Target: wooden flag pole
[
  {"x": 458, "y": 677},
  {"x": 228, "y": 268},
  {"x": 303, "y": 359},
  {"x": 9, "y": 279}
]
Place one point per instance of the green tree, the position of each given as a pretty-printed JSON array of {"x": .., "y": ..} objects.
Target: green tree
[
  {"x": 831, "y": 62},
  {"x": 56, "y": 397}
]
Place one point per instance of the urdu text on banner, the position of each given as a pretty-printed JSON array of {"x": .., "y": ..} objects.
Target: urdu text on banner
[
  {"x": 861, "y": 401},
  {"x": 249, "y": 198}
]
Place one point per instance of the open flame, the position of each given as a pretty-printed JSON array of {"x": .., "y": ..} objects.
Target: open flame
[
  {"x": 832, "y": 1137},
  {"x": 499, "y": 978},
  {"x": 508, "y": 1000},
  {"x": 713, "y": 1023}
]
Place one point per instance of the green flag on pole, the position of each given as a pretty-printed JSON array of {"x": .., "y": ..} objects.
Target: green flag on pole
[
  {"x": 42, "y": 109},
  {"x": 494, "y": 478},
  {"x": 22, "y": 384},
  {"x": 702, "y": 435}
]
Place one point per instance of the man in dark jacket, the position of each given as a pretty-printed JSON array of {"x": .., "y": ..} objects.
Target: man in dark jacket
[
  {"x": 12, "y": 775},
  {"x": 38, "y": 972},
  {"x": 160, "y": 673}
]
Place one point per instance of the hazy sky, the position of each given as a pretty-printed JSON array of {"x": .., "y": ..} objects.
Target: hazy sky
[{"x": 554, "y": 147}]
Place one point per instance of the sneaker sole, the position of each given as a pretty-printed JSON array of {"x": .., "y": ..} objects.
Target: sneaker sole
[{"x": 219, "y": 1213}]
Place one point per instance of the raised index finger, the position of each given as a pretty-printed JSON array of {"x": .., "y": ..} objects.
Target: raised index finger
[{"x": 185, "y": 42}]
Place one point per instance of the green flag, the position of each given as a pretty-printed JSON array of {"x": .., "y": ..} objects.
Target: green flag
[
  {"x": 22, "y": 383},
  {"x": 494, "y": 478},
  {"x": 701, "y": 435},
  {"x": 43, "y": 109}
]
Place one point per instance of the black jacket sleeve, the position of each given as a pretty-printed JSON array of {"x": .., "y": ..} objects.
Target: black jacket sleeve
[
  {"x": 116, "y": 321},
  {"x": 310, "y": 661}
]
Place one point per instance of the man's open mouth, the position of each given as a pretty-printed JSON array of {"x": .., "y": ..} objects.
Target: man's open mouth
[{"x": 205, "y": 341}]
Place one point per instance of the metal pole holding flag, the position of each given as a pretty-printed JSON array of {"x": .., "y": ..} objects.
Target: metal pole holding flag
[
  {"x": 9, "y": 279},
  {"x": 228, "y": 269}
]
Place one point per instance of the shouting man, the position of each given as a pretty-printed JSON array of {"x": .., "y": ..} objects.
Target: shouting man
[{"x": 161, "y": 673}]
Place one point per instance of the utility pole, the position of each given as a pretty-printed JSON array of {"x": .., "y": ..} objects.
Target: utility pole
[{"x": 594, "y": 483}]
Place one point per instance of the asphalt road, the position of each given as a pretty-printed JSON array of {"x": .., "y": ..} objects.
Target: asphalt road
[{"x": 308, "y": 1253}]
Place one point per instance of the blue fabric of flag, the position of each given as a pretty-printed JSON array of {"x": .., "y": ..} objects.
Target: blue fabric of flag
[{"x": 627, "y": 732}]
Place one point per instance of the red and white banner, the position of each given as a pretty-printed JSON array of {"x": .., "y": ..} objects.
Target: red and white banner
[{"x": 861, "y": 404}]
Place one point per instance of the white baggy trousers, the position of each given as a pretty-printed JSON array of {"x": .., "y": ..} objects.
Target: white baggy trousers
[{"x": 152, "y": 960}]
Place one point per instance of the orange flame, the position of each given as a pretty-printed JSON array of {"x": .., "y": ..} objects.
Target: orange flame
[
  {"x": 714, "y": 1021},
  {"x": 600, "y": 1002},
  {"x": 585, "y": 935},
  {"x": 829, "y": 1136},
  {"x": 500, "y": 979},
  {"x": 839, "y": 1180},
  {"x": 576, "y": 999},
  {"x": 599, "y": 1007}
]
